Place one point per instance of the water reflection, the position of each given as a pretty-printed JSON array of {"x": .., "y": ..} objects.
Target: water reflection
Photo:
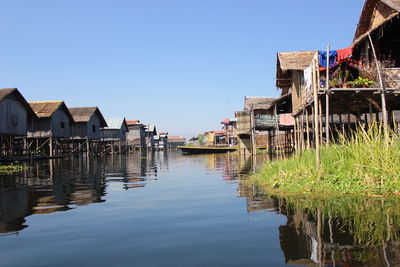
[
  {"x": 64, "y": 184},
  {"x": 346, "y": 231}
]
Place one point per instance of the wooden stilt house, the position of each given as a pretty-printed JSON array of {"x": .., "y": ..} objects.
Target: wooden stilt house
[
  {"x": 54, "y": 120},
  {"x": 15, "y": 117},
  {"x": 88, "y": 122},
  {"x": 116, "y": 129}
]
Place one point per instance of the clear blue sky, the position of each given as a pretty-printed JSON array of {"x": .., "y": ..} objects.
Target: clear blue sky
[{"x": 183, "y": 65}]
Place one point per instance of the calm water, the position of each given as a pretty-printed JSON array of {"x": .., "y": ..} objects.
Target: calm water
[{"x": 172, "y": 210}]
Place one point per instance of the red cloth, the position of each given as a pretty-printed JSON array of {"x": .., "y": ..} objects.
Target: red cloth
[{"x": 344, "y": 53}]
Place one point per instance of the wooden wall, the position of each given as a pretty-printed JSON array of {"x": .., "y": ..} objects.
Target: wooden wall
[{"x": 13, "y": 117}]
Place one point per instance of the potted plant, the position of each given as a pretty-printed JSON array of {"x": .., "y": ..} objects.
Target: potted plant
[{"x": 361, "y": 82}]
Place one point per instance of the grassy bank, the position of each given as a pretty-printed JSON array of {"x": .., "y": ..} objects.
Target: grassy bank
[
  {"x": 11, "y": 168},
  {"x": 363, "y": 163}
]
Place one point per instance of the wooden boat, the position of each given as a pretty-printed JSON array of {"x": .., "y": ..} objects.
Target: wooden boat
[{"x": 206, "y": 150}]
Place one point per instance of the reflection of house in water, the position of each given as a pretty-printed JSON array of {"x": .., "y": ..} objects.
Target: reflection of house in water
[
  {"x": 54, "y": 187},
  {"x": 134, "y": 170}
]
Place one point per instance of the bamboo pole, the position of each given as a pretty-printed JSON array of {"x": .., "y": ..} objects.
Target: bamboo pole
[
  {"x": 302, "y": 131},
  {"x": 316, "y": 126},
  {"x": 308, "y": 130},
  {"x": 295, "y": 134},
  {"x": 383, "y": 97},
  {"x": 327, "y": 98},
  {"x": 321, "y": 128}
]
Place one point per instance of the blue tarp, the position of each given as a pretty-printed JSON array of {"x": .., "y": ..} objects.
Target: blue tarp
[{"x": 332, "y": 58}]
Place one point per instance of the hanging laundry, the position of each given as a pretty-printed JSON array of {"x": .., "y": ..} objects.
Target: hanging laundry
[
  {"x": 343, "y": 54},
  {"x": 308, "y": 79},
  {"x": 332, "y": 58}
]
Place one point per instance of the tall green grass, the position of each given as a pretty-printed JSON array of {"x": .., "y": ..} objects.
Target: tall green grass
[{"x": 363, "y": 162}]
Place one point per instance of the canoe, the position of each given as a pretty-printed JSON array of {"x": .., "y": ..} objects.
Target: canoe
[{"x": 205, "y": 150}]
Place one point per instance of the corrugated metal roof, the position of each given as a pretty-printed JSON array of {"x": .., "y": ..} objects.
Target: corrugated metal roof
[
  {"x": 83, "y": 114},
  {"x": 115, "y": 123},
  {"x": 46, "y": 109}
]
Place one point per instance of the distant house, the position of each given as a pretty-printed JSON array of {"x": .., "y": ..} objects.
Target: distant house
[
  {"x": 230, "y": 128},
  {"x": 175, "y": 141},
  {"x": 15, "y": 113},
  {"x": 116, "y": 129},
  {"x": 54, "y": 119},
  {"x": 151, "y": 132},
  {"x": 136, "y": 136},
  {"x": 88, "y": 121},
  {"x": 163, "y": 141}
]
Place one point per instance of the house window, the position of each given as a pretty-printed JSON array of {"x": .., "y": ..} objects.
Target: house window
[
  {"x": 94, "y": 128},
  {"x": 62, "y": 125}
]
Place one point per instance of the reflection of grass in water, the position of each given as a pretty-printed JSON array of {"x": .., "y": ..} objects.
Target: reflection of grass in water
[
  {"x": 11, "y": 168},
  {"x": 363, "y": 163},
  {"x": 372, "y": 221}
]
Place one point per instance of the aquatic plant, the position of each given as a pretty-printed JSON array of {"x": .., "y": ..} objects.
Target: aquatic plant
[{"x": 360, "y": 163}]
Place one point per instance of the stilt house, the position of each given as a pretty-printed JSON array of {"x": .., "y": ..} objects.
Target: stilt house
[
  {"x": 15, "y": 113},
  {"x": 88, "y": 123},
  {"x": 136, "y": 136},
  {"x": 116, "y": 129},
  {"x": 54, "y": 120}
]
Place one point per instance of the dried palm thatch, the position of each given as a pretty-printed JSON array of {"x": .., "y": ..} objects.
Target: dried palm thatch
[
  {"x": 46, "y": 109},
  {"x": 289, "y": 61},
  {"x": 259, "y": 103},
  {"x": 375, "y": 13},
  {"x": 84, "y": 114}
]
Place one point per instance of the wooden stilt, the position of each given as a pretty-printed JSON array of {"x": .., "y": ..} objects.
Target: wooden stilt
[
  {"x": 316, "y": 126},
  {"x": 383, "y": 93},
  {"x": 308, "y": 130}
]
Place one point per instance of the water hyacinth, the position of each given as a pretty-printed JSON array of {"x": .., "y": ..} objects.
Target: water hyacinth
[{"x": 363, "y": 162}]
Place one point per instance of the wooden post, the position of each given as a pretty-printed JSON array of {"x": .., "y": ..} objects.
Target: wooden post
[
  {"x": 327, "y": 98},
  {"x": 87, "y": 147},
  {"x": 383, "y": 97},
  {"x": 321, "y": 128},
  {"x": 316, "y": 126},
  {"x": 51, "y": 147},
  {"x": 308, "y": 130},
  {"x": 253, "y": 132},
  {"x": 295, "y": 134},
  {"x": 303, "y": 147}
]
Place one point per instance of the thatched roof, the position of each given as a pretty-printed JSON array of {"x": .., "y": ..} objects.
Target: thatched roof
[
  {"x": 46, "y": 109},
  {"x": 4, "y": 93},
  {"x": 289, "y": 61},
  {"x": 257, "y": 103},
  {"x": 373, "y": 15},
  {"x": 83, "y": 114}
]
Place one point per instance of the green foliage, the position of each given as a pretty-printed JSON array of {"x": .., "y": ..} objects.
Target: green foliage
[
  {"x": 202, "y": 139},
  {"x": 361, "y": 82},
  {"x": 363, "y": 163}
]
